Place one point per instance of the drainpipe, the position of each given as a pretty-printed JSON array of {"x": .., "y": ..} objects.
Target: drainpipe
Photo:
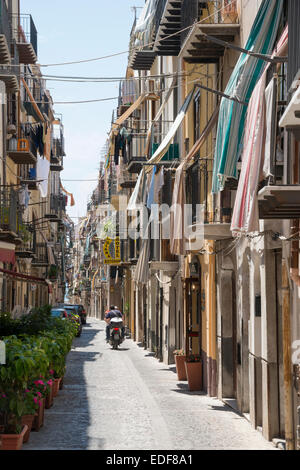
[
  {"x": 286, "y": 319},
  {"x": 287, "y": 362}
]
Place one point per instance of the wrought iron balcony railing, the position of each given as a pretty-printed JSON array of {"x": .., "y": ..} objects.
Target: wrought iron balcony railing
[
  {"x": 41, "y": 255},
  {"x": 10, "y": 212},
  {"x": 25, "y": 34}
]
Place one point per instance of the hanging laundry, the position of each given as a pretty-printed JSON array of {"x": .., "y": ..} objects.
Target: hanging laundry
[
  {"x": 24, "y": 197},
  {"x": 42, "y": 170},
  {"x": 119, "y": 145}
]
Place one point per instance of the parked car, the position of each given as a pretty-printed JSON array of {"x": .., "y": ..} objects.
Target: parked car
[
  {"x": 80, "y": 311},
  {"x": 73, "y": 315},
  {"x": 59, "y": 313}
]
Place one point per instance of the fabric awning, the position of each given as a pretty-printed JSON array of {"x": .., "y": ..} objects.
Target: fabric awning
[
  {"x": 164, "y": 146},
  {"x": 177, "y": 238},
  {"x": 142, "y": 272},
  {"x": 35, "y": 106},
  {"x": 258, "y": 147},
  {"x": 158, "y": 115},
  {"x": 129, "y": 111},
  {"x": 24, "y": 277},
  {"x": 241, "y": 85},
  {"x": 7, "y": 253},
  {"x": 138, "y": 196},
  {"x": 202, "y": 139},
  {"x": 72, "y": 200}
]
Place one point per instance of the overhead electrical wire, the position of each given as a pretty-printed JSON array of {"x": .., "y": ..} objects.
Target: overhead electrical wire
[
  {"x": 117, "y": 97},
  {"x": 153, "y": 43}
]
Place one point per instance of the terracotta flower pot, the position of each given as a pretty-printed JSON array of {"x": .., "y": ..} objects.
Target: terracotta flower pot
[
  {"x": 180, "y": 368},
  {"x": 38, "y": 421},
  {"x": 28, "y": 421},
  {"x": 56, "y": 386},
  {"x": 49, "y": 398},
  {"x": 194, "y": 375},
  {"x": 13, "y": 441}
]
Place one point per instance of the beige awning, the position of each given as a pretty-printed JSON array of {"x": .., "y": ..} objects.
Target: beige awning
[
  {"x": 36, "y": 108},
  {"x": 133, "y": 107},
  {"x": 207, "y": 130}
]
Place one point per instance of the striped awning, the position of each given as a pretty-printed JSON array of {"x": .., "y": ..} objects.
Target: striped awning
[{"x": 241, "y": 85}]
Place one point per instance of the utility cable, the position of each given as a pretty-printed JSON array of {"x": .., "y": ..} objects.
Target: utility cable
[{"x": 153, "y": 43}]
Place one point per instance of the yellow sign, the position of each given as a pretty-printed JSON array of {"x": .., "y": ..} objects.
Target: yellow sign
[{"x": 107, "y": 252}]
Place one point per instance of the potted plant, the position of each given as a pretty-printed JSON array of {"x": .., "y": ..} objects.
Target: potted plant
[
  {"x": 22, "y": 361},
  {"x": 12, "y": 441},
  {"x": 179, "y": 361},
  {"x": 32, "y": 403},
  {"x": 193, "y": 366},
  {"x": 12, "y": 431},
  {"x": 52, "y": 272}
]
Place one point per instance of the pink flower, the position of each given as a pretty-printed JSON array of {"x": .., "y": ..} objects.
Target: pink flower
[
  {"x": 51, "y": 372},
  {"x": 39, "y": 394},
  {"x": 27, "y": 391},
  {"x": 49, "y": 382},
  {"x": 3, "y": 395},
  {"x": 35, "y": 400}
]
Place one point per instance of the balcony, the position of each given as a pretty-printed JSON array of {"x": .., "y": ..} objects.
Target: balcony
[
  {"x": 28, "y": 247},
  {"x": 5, "y": 34},
  {"x": 279, "y": 202},
  {"x": 142, "y": 56},
  {"x": 136, "y": 156},
  {"x": 41, "y": 256},
  {"x": 57, "y": 208},
  {"x": 56, "y": 164},
  {"x": 25, "y": 34},
  {"x": 168, "y": 22},
  {"x": 10, "y": 217},
  {"x": 57, "y": 148},
  {"x": 220, "y": 20},
  {"x": 9, "y": 75},
  {"x": 22, "y": 151}
]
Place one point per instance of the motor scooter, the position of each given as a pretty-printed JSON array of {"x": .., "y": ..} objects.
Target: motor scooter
[{"x": 116, "y": 333}]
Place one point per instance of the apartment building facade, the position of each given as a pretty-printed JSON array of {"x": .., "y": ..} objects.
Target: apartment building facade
[
  {"x": 220, "y": 126},
  {"x": 34, "y": 228}
]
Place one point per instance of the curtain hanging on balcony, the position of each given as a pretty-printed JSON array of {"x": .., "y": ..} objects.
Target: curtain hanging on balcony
[
  {"x": 51, "y": 258},
  {"x": 142, "y": 272},
  {"x": 256, "y": 158},
  {"x": 164, "y": 146},
  {"x": 241, "y": 85}
]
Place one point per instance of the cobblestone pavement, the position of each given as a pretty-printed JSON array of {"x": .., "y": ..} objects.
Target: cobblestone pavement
[{"x": 126, "y": 400}]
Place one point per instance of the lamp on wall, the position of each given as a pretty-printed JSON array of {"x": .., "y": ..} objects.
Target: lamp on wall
[{"x": 194, "y": 269}]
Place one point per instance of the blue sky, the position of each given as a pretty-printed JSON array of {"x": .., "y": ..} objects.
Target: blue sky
[{"x": 73, "y": 30}]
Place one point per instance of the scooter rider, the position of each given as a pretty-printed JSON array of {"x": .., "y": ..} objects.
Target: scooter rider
[{"x": 111, "y": 314}]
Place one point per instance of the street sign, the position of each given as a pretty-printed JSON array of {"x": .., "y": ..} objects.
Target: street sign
[{"x": 112, "y": 251}]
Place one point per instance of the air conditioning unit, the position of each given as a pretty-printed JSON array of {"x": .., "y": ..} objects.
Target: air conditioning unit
[{"x": 291, "y": 118}]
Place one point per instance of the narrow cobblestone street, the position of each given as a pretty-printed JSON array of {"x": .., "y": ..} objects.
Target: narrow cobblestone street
[{"x": 126, "y": 399}]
